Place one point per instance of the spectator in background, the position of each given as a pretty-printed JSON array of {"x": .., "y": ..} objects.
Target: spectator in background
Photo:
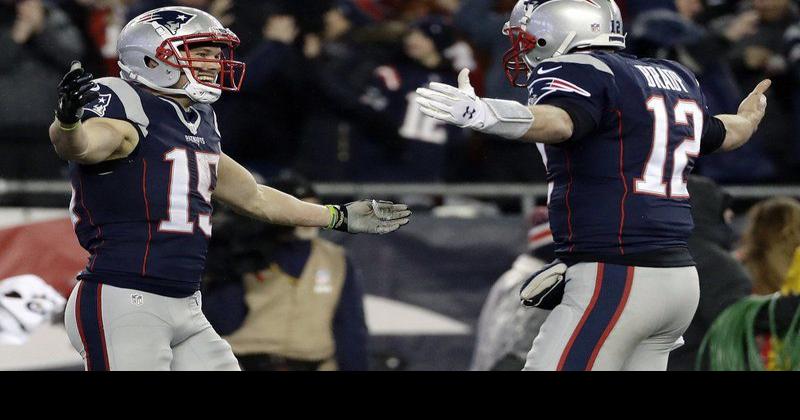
[
  {"x": 493, "y": 158},
  {"x": 335, "y": 72},
  {"x": 38, "y": 42},
  {"x": 284, "y": 298},
  {"x": 705, "y": 51},
  {"x": 792, "y": 50},
  {"x": 100, "y": 22},
  {"x": 768, "y": 155},
  {"x": 411, "y": 147},
  {"x": 260, "y": 124},
  {"x": 723, "y": 280},
  {"x": 506, "y": 328},
  {"x": 702, "y": 50},
  {"x": 769, "y": 242}
]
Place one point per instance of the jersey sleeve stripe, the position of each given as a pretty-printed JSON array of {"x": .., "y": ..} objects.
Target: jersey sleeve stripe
[
  {"x": 134, "y": 111},
  {"x": 581, "y": 59}
]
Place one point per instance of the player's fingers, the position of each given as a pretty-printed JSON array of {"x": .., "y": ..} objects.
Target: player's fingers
[
  {"x": 83, "y": 89},
  {"x": 434, "y": 105},
  {"x": 763, "y": 86},
  {"x": 70, "y": 78},
  {"x": 445, "y": 89},
  {"x": 397, "y": 215},
  {"x": 436, "y": 96},
  {"x": 88, "y": 97},
  {"x": 83, "y": 79},
  {"x": 390, "y": 211},
  {"x": 74, "y": 65},
  {"x": 463, "y": 82},
  {"x": 439, "y": 115},
  {"x": 384, "y": 228}
]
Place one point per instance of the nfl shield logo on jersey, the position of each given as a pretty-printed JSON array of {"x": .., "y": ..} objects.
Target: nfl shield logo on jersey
[{"x": 171, "y": 20}]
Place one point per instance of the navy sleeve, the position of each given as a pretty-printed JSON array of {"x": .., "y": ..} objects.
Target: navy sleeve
[
  {"x": 108, "y": 104},
  {"x": 349, "y": 324},
  {"x": 713, "y": 136},
  {"x": 583, "y": 121},
  {"x": 580, "y": 89}
]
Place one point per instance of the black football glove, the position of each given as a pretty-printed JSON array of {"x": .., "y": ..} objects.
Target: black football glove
[
  {"x": 74, "y": 92},
  {"x": 545, "y": 288}
]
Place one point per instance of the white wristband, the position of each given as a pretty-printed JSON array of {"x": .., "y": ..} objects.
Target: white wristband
[{"x": 508, "y": 119}]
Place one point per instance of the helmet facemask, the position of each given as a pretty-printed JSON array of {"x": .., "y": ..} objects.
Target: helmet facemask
[
  {"x": 514, "y": 60},
  {"x": 176, "y": 52},
  {"x": 540, "y": 30}
]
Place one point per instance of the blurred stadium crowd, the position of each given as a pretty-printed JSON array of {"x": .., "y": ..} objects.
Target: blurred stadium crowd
[
  {"x": 329, "y": 83},
  {"x": 329, "y": 94}
]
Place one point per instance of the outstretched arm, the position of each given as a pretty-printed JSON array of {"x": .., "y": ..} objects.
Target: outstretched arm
[
  {"x": 237, "y": 188},
  {"x": 509, "y": 119},
  {"x": 740, "y": 127}
]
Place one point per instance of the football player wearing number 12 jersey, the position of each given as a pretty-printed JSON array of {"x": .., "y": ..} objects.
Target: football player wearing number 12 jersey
[
  {"x": 145, "y": 159},
  {"x": 618, "y": 135}
]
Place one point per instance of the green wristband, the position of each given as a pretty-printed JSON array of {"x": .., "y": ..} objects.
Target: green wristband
[{"x": 334, "y": 216}]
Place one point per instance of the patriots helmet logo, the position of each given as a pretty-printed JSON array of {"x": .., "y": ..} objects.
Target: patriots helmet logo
[{"x": 171, "y": 20}]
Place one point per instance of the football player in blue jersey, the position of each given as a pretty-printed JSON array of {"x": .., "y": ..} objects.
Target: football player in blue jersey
[
  {"x": 618, "y": 135},
  {"x": 145, "y": 159}
]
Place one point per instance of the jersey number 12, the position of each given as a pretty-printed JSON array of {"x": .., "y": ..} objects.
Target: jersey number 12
[{"x": 652, "y": 181}]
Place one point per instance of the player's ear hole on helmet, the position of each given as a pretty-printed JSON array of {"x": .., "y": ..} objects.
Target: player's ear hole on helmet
[
  {"x": 151, "y": 63},
  {"x": 541, "y": 42}
]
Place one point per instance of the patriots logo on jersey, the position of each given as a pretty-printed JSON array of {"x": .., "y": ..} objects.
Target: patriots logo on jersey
[
  {"x": 171, "y": 20},
  {"x": 102, "y": 103},
  {"x": 555, "y": 84}
]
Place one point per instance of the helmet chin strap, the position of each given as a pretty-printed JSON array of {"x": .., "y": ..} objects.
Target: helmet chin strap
[
  {"x": 563, "y": 47},
  {"x": 198, "y": 92},
  {"x": 194, "y": 90}
]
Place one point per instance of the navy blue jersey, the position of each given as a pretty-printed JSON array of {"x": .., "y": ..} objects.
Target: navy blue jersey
[
  {"x": 145, "y": 219},
  {"x": 618, "y": 190}
]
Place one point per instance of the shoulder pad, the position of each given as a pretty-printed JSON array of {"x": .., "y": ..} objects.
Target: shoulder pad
[
  {"x": 585, "y": 59},
  {"x": 127, "y": 96}
]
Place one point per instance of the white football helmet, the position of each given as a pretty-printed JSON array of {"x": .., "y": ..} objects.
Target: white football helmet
[
  {"x": 164, "y": 36},
  {"x": 539, "y": 30}
]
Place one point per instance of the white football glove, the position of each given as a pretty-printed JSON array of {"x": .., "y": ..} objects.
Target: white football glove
[
  {"x": 369, "y": 216},
  {"x": 462, "y": 107},
  {"x": 544, "y": 288}
]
